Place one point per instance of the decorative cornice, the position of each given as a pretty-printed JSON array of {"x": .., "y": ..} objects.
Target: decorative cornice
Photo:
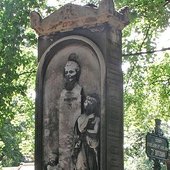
[{"x": 72, "y": 16}]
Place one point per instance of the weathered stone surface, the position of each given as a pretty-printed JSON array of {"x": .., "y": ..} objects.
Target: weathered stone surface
[
  {"x": 59, "y": 117},
  {"x": 69, "y": 111},
  {"x": 73, "y": 16},
  {"x": 94, "y": 35}
]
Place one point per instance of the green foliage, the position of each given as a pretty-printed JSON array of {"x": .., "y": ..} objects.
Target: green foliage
[
  {"x": 146, "y": 80},
  {"x": 17, "y": 75},
  {"x": 10, "y": 154},
  {"x": 15, "y": 18}
]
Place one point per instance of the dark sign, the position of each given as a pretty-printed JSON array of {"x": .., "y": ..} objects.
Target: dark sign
[{"x": 156, "y": 147}]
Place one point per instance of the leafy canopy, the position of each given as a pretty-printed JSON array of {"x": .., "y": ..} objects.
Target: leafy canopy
[{"x": 146, "y": 78}]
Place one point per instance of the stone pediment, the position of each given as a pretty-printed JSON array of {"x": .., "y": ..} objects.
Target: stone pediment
[
  {"x": 72, "y": 11},
  {"x": 72, "y": 16}
]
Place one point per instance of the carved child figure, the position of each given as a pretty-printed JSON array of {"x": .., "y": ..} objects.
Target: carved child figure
[{"x": 86, "y": 150}]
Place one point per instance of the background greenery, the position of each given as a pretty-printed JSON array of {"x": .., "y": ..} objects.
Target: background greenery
[{"x": 146, "y": 77}]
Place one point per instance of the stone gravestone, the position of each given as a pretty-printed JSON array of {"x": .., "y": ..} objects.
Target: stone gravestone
[{"x": 79, "y": 88}]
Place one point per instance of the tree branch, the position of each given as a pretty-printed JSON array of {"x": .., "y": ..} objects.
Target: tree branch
[
  {"x": 134, "y": 62},
  {"x": 146, "y": 52}
]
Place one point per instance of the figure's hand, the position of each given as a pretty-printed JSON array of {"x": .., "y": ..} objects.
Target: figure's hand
[
  {"x": 91, "y": 116},
  {"x": 52, "y": 163}
]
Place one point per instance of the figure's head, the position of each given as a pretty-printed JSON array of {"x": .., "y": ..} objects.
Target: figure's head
[
  {"x": 72, "y": 68},
  {"x": 71, "y": 71},
  {"x": 91, "y": 104}
]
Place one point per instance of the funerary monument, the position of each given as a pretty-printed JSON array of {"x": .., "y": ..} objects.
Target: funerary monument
[{"x": 79, "y": 88}]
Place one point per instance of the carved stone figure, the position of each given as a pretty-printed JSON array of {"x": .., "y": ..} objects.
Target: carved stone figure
[
  {"x": 86, "y": 140},
  {"x": 71, "y": 72},
  {"x": 53, "y": 162},
  {"x": 69, "y": 110}
]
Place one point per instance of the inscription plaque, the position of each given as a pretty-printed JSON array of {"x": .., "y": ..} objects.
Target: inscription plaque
[{"x": 156, "y": 147}]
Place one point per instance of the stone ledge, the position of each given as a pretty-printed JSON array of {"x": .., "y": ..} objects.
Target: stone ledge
[{"x": 73, "y": 16}]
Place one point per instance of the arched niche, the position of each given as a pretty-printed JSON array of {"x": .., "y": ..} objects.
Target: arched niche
[{"x": 50, "y": 84}]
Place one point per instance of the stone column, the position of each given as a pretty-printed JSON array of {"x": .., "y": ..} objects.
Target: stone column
[{"x": 64, "y": 121}]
